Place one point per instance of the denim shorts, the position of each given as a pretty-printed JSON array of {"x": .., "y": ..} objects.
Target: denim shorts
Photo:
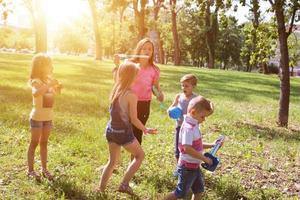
[
  {"x": 40, "y": 124},
  {"x": 120, "y": 136},
  {"x": 189, "y": 178}
]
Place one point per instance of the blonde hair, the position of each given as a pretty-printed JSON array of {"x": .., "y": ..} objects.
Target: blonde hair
[
  {"x": 125, "y": 76},
  {"x": 200, "y": 104},
  {"x": 191, "y": 78},
  {"x": 39, "y": 65}
]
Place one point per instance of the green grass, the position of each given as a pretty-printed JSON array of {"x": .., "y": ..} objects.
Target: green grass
[{"x": 259, "y": 159}]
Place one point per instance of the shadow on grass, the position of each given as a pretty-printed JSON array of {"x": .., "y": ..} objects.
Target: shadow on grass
[
  {"x": 236, "y": 86},
  {"x": 64, "y": 187},
  {"x": 270, "y": 133}
]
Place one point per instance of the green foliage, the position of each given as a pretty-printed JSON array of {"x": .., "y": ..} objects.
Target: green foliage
[
  {"x": 294, "y": 46},
  {"x": 266, "y": 44},
  {"x": 247, "y": 48},
  {"x": 16, "y": 38},
  {"x": 72, "y": 39},
  {"x": 192, "y": 31},
  {"x": 229, "y": 41},
  {"x": 6, "y": 9}
]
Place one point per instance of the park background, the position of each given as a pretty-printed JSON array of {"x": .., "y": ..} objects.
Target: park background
[{"x": 243, "y": 53}]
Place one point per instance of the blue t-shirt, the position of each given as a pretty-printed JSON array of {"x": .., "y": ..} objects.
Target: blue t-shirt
[{"x": 183, "y": 103}]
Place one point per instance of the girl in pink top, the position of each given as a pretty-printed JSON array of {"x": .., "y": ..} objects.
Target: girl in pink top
[{"x": 148, "y": 76}]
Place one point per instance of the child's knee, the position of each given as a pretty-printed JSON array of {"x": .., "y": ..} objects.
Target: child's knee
[
  {"x": 112, "y": 163},
  {"x": 34, "y": 144},
  {"x": 140, "y": 156},
  {"x": 43, "y": 143}
]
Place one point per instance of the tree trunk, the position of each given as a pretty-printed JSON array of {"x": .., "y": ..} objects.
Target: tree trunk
[
  {"x": 113, "y": 35},
  {"x": 211, "y": 23},
  {"x": 40, "y": 28},
  {"x": 159, "y": 43},
  {"x": 177, "y": 57},
  {"x": 121, "y": 11},
  {"x": 255, "y": 23},
  {"x": 161, "y": 53},
  {"x": 140, "y": 17},
  {"x": 265, "y": 68},
  {"x": 98, "y": 45},
  {"x": 283, "y": 114}
]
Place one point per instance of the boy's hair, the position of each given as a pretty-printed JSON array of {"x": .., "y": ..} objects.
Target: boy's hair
[
  {"x": 200, "y": 104},
  {"x": 191, "y": 78},
  {"x": 40, "y": 63},
  {"x": 125, "y": 76}
]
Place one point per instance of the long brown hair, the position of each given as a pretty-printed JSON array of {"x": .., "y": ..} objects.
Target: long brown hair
[
  {"x": 138, "y": 50},
  {"x": 125, "y": 76},
  {"x": 40, "y": 64}
]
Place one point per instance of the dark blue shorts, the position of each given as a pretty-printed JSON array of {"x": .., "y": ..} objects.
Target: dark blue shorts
[
  {"x": 120, "y": 136},
  {"x": 189, "y": 178},
  {"x": 40, "y": 124},
  {"x": 177, "y": 130}
]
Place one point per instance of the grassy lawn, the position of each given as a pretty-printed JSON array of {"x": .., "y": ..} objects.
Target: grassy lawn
[{"x": 259, "y": 160}]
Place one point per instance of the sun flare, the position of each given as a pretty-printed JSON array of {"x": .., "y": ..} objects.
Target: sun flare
[{"x": 59, "y": 12}]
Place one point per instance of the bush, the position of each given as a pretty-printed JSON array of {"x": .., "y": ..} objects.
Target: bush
[{"x": 273, "y": 69}]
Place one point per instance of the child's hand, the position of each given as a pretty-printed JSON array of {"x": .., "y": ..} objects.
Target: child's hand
[
  {"x": 117, "y": 59},
  {"x": 151, "y": 131},
  {"x": 208, "y": 161},
  {"x": 221, "y": 142},
  {"x": 53, "y": 82},
  {"x": 160, "y": 97},
  {"x": 58, "y": 88}
]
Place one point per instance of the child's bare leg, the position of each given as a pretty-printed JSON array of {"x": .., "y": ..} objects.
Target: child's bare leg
[
  {"x": 170, "y": 196},
  {"x": 114, "y": 154},
  {"x": 197, "y": 196},
  {"x": 35, "y": 136},
  {"x": 43, "y": 147},
  {"x": 136, "y": 150}
]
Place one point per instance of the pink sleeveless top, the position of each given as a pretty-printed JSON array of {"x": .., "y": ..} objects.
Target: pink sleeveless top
[{"x": 142, "y": 86}]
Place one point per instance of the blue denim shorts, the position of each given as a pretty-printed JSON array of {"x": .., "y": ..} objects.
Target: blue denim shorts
[
  {"x": 189, "y": 178},
  {"x": 120, "y": 136},
  {"x": 40, "y": 124}
]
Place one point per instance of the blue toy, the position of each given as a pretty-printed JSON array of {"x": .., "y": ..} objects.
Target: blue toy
[
  {"x": 212, "y": 155},
  {"x": 175, "y": 112}
]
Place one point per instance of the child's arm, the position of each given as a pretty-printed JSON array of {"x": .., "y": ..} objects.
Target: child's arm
[
  {"x": 175, "y": 101},
  {"x": 161, "y": 95},
  {"x": 58, "y": 88},
  {"x": 117, "y": 64},
  {"x": 132, "y": 101},
  {"x": 208, "y": 145},
  {"x": 192, "y": 152},
  {"x": 39, "y": 89}
]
